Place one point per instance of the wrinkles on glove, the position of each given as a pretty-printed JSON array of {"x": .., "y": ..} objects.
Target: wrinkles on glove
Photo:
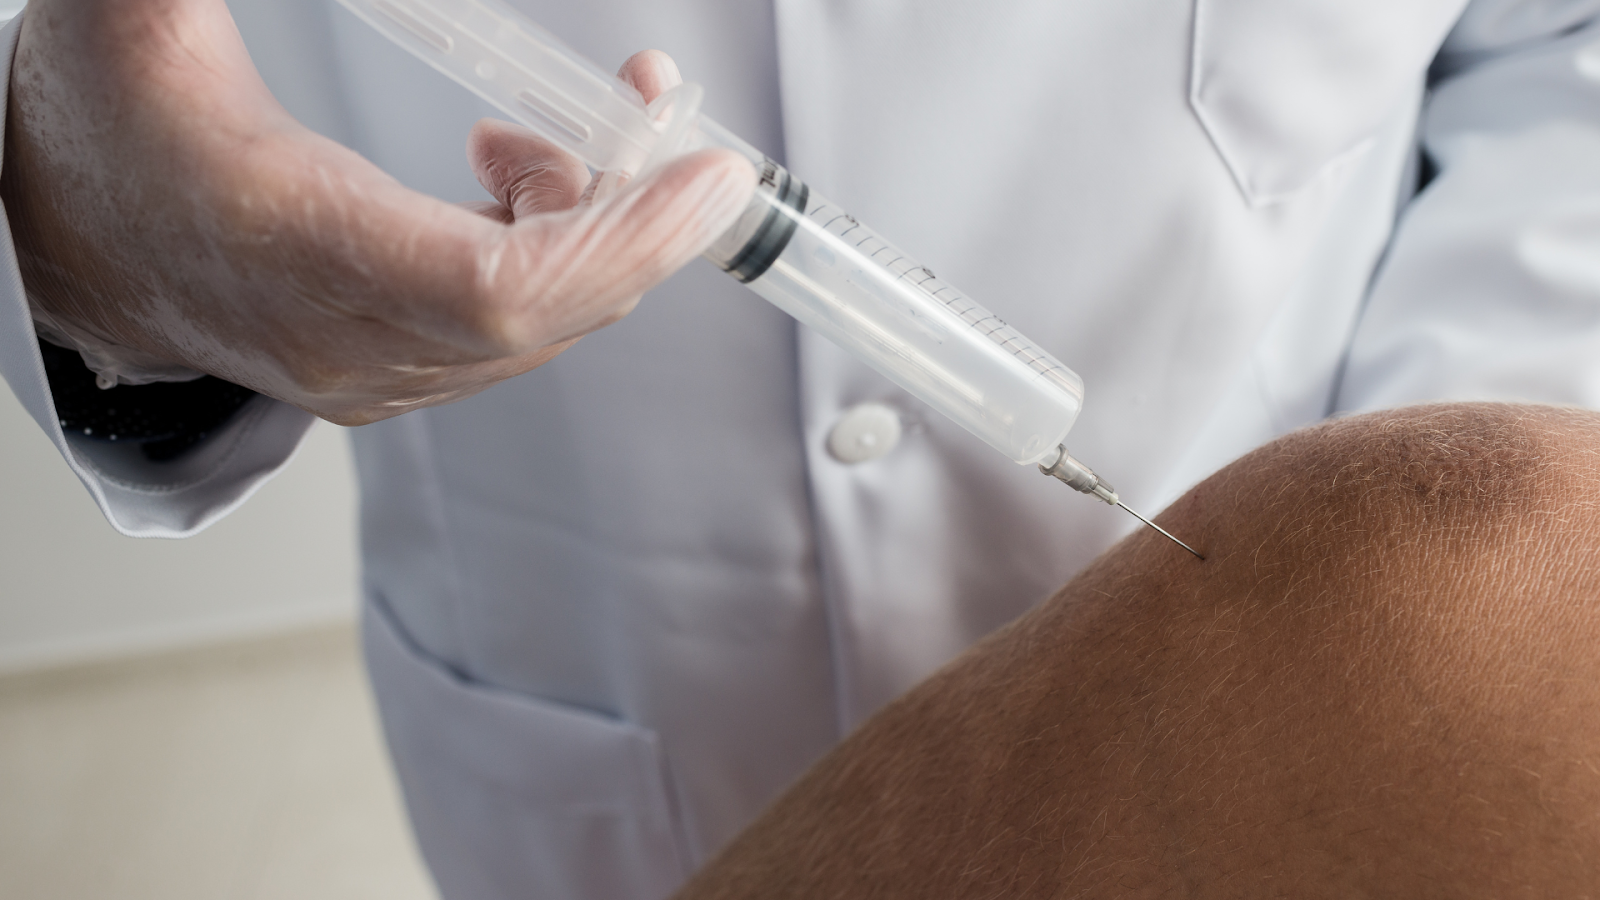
[
  {"x": 641, "y": 231},
  {"x": 164, "y": 202}
]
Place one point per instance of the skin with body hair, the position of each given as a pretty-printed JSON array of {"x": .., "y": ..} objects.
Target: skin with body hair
[
  {"x": 162, "y": 200},
  {"x": 1383, "y": 682}
]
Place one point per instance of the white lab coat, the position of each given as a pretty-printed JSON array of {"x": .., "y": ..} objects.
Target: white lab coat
[{"x": 618, "y": 603}]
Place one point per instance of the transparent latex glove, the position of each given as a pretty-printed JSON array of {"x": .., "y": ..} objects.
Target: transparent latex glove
[{"x": 163, "y": 202}]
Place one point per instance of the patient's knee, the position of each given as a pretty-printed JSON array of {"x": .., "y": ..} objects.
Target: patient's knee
[
  {"x": 1385, "y": 674},
  {"x": 1451, "y": 536},
  {"x": 1382, "y": 682}
]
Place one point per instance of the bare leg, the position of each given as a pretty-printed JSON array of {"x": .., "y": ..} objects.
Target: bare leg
[{"x": 1383, "y": 683}]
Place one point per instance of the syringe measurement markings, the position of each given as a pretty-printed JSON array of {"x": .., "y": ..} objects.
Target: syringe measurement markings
[
  {"x": 1012, "y": 343},
  {"x": 1026, "y": 358},
  {"x": 932, "y": 373}
]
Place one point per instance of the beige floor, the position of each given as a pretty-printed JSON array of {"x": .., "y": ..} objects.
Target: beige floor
[{"x": 248, "y": 772}]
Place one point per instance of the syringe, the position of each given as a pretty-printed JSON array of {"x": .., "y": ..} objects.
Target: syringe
[{"x": 791, "y": 246}]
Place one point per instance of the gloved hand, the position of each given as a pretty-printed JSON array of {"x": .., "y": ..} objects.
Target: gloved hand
[{"x": 163, "y": 202}]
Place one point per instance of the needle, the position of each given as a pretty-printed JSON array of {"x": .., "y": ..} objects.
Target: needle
[
  {"x": 1082, "y": 479},
  {"x": 1160, "y": 529}
]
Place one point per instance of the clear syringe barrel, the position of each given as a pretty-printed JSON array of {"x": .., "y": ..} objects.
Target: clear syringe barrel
[
  {"x": 821, "y": 265},
  {"x": 793, "y": 247}
]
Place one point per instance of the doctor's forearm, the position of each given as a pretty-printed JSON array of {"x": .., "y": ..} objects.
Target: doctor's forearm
[{"x": 211, "y": 231}]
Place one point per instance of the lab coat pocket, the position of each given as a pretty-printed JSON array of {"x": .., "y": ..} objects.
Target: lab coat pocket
[
  {"x": 1287, "y": 89},
  {"x": 514, "y": 796}
]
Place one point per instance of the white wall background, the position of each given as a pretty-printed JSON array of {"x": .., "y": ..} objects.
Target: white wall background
[{"x": 72, "y": 589}]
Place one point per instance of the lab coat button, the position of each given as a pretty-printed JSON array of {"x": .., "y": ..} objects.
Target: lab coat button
[{"x": 864, "y": 433}]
